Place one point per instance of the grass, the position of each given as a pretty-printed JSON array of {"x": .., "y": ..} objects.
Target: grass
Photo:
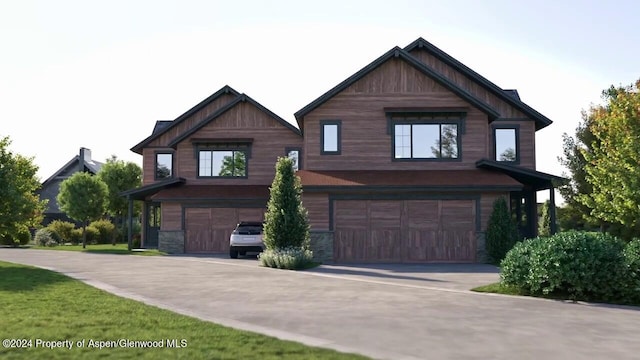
[
  {"x": 498, "y": 288},
  {"x": 120, "y": 249},
  {"x": 45, "y": 305}
]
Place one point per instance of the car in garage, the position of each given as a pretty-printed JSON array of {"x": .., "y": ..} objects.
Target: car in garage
[{"x": 246, "y": 237}]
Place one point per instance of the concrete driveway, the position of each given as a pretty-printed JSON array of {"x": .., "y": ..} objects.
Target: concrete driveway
[{"x": 384, "y": 311}]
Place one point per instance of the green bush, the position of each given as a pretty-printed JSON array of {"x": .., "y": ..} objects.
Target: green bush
[
  {"x": 105, "y": 231},
  {"x": 21, "y": 237},
  {"x": 63, "y": 229},
  {"x": 46, "y": 237},
  {"x": 502, "y": 233},
  {"x": 291, "y": 258},
  {"x": 578, "y": 265},
  {"x": 632, "y": 262},
  {"x": 123, "y": 231},
  {"x": 92, "y": 234},
  {"x": 76, "y": 236}
]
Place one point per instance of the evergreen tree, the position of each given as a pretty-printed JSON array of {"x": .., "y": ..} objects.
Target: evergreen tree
[
  {"x": 502, "y": 233},
  {"x": 544, "y": 225}
]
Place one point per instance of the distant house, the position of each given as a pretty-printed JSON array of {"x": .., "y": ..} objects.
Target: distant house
[{"x": 51, "y": 186}]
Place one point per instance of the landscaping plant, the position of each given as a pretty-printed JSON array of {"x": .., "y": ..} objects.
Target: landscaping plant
[
  {"x": 502, "y": 233},
  {"x": 63, "y": 229}
]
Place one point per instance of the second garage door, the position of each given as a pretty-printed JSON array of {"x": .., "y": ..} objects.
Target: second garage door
[
  {"x": 207, "y": 230},
  {"x": 404, "y": 230}
]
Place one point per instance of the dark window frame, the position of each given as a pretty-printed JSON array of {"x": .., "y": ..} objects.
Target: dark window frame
[
  {"x": 155, "y": 164},
  {"x": 339, "y": 137},
  {"x": 515, "y": 127},
  {"x": 294, "y": 148},
  {"x": 222, "y": 148},
  {"x": 420, "y": 119}
]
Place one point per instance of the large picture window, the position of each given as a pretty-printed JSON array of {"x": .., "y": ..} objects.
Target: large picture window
[
  {"x": 426, "y": 141},
  {"x": 506, "y": 144},
  {"x": 222, "y": 163},
  {"x": 164, "y": 166}
]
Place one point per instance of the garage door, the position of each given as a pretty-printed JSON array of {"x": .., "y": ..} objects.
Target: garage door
[
  {"x": 404, "y": 231},
  {"x": 207, "y": 230}
]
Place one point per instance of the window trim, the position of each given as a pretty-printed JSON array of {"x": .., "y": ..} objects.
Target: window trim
[
  {"x": 515, "y": 127},
  {"x": 339, "y": 135},
  {"x": 155, "y": 163},
  {"x": 294, "y": 148},
  {"x": 227, "y": 148},
  {"x": 426, "y": 121}
]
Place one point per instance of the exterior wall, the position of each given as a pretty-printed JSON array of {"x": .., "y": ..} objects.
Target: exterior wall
[
  {"x": 317, "y": 206},
  {"x": 171, "y": 218},
  {"x": 322, "y": 246},
  {"x": 365, "y": 143},
  {"x": 270, "y": 138},
  {"x": 171, "y": 242}
]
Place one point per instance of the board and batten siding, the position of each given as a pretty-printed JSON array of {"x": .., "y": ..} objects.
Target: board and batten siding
[
  {"x": 270, "y": 138},
  {"x": 365, "y": 143}
]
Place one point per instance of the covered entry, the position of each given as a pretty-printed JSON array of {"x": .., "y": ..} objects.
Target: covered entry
[{"x": 438, "y": 230}]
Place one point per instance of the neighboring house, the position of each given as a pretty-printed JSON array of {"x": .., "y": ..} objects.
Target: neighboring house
[
  {"x": 51, "y": 187},
  {"x": 401, "y": 162}
]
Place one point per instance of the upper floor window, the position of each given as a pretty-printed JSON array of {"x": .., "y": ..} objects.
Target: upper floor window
[
  {"x": 330, "y": 137},
  {"x": 222, "y": 163},
  {"x": 164, "y": 166},
  {"x": 426, "y": 140},
  {"x": 294, "y": 155},
  {"x": 506, "y": 144}
]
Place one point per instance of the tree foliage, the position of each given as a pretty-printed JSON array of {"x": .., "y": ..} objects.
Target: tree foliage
[
  {"x": 502, "y": 232},
  {"x": 612, "y": 166},
  {"x": 286, "y": 221},
  {"x": 20, "y": 206},
  {"x": 544, "y": 224},
  {"x": 83, "y": 197},
  {"x": 119, "y": 176}
]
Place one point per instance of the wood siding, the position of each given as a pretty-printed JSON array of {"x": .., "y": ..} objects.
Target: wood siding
[
  {"x": 208, "y": 229},
  {"x": 365, "y": 143},
  {"x": 404, "y": 231},
  {"x": 171, "y": 218},
  {"x": 270, "y": 138},
  {"x": 486, "y": 206},
  {"x": 317, "y": 206}
]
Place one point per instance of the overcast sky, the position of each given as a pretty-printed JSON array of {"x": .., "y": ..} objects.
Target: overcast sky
[{"x": 99, "y": 74}]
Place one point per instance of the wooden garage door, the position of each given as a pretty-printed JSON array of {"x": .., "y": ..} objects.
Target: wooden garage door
[
  {"x": 404, "y": 231},
  {"x": 207, "y": 230}
]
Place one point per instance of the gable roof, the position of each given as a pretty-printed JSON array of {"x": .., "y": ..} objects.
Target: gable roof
[
  {"x": 507, "y": 96},
  {"x": 399, "y": 53},
  {"x": 239, "y": 99},
  {"x": 92, "y": 166},
  {"x": 162, "y": 127}
]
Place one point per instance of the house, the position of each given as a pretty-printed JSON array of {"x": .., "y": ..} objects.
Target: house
[
  {"x": 51, "y": 187},
  {"x": 400, "y": 162}
]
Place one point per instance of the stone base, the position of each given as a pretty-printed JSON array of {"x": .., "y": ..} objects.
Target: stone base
[
  {"x": 481, "y": 247},
  {"x": 171, "y": 242},
  {"x": 322, "y": 245}
]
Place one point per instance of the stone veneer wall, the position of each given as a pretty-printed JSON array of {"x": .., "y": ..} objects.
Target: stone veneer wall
[
  {"x": 322, "y": 245},
  {"x": 481, "y": 247},
  {"x": 171, "y": 242}
]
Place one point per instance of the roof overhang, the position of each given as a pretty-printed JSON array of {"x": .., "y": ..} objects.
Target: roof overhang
[
  {"x": 143, "y": 192},
  {"x": 535, "y": 179}
]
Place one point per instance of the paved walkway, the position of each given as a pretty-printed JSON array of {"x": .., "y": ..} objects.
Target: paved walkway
[{"x": 383, "y": 311}]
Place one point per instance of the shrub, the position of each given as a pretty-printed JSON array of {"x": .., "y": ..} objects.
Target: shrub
[
  {"x": 632, "y": 262},
  {"x": 502, "y": 233},
  {"x": 544, "y": 224},
  {"x": 92, "y": 233},
  {"x": 136, "y": 241},
  {"x": 46, "y": 237},
  {"x": 105, "y": 231},
  {"x": 21, "y": 237},
  {"x": 63, "y": 229},
  {"x": 580, "y": 265},
  {"x": 291, "y": 258},
  {"x": 286, "y": 222},
  {"x": 76, "y": 236}
]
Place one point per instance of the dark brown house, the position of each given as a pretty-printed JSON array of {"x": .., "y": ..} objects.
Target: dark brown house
[{"x": 401, "y": 162}]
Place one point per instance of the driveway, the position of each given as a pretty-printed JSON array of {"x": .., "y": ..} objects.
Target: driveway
[{"x": 383, "y": 311}]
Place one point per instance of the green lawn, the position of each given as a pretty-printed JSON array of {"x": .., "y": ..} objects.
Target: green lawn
[
  {"x": 40, "y": 305},
  {"x": 103, "y": 249}
]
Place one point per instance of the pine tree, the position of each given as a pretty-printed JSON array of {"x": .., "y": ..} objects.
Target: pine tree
[
  {"x": 502, "y": 233},
  {"x": 544, "y": 225}
]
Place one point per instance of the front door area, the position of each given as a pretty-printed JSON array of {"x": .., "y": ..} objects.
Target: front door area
[{"x": 153, "y": 216}]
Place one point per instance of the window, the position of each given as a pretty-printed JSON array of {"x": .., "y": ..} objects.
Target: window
[
  {"x": 330, "y": 137},
  {"x": 294, "y": 154},
  {"x": 506, "y": 144},
  {"x": 222, "y": 163},
  {"x": 164, "y": 166},
  {"x": 426, "y": 141}
]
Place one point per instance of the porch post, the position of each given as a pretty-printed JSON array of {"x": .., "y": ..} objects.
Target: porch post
[
  {"x": 130, "y": 225},
  {"x": 552, "y": 210}
]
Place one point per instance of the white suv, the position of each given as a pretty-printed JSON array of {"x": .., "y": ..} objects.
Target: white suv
[{"x": 247, "y": 236}]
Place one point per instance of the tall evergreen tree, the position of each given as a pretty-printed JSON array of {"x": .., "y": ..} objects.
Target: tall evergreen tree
[{"x": 502, "y": 233}]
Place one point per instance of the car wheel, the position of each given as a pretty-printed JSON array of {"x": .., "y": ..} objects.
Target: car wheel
[
  {"x": 243, "y": 253},
  {"x": 233, "y": 254}
]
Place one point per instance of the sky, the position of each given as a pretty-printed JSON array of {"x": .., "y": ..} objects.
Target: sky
[{"x": 98, "y": 74}]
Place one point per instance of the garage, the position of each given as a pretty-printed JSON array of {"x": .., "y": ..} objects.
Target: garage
[
  {"x": 207, "y": 230},
  {"x": 404, "y": 230}
]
